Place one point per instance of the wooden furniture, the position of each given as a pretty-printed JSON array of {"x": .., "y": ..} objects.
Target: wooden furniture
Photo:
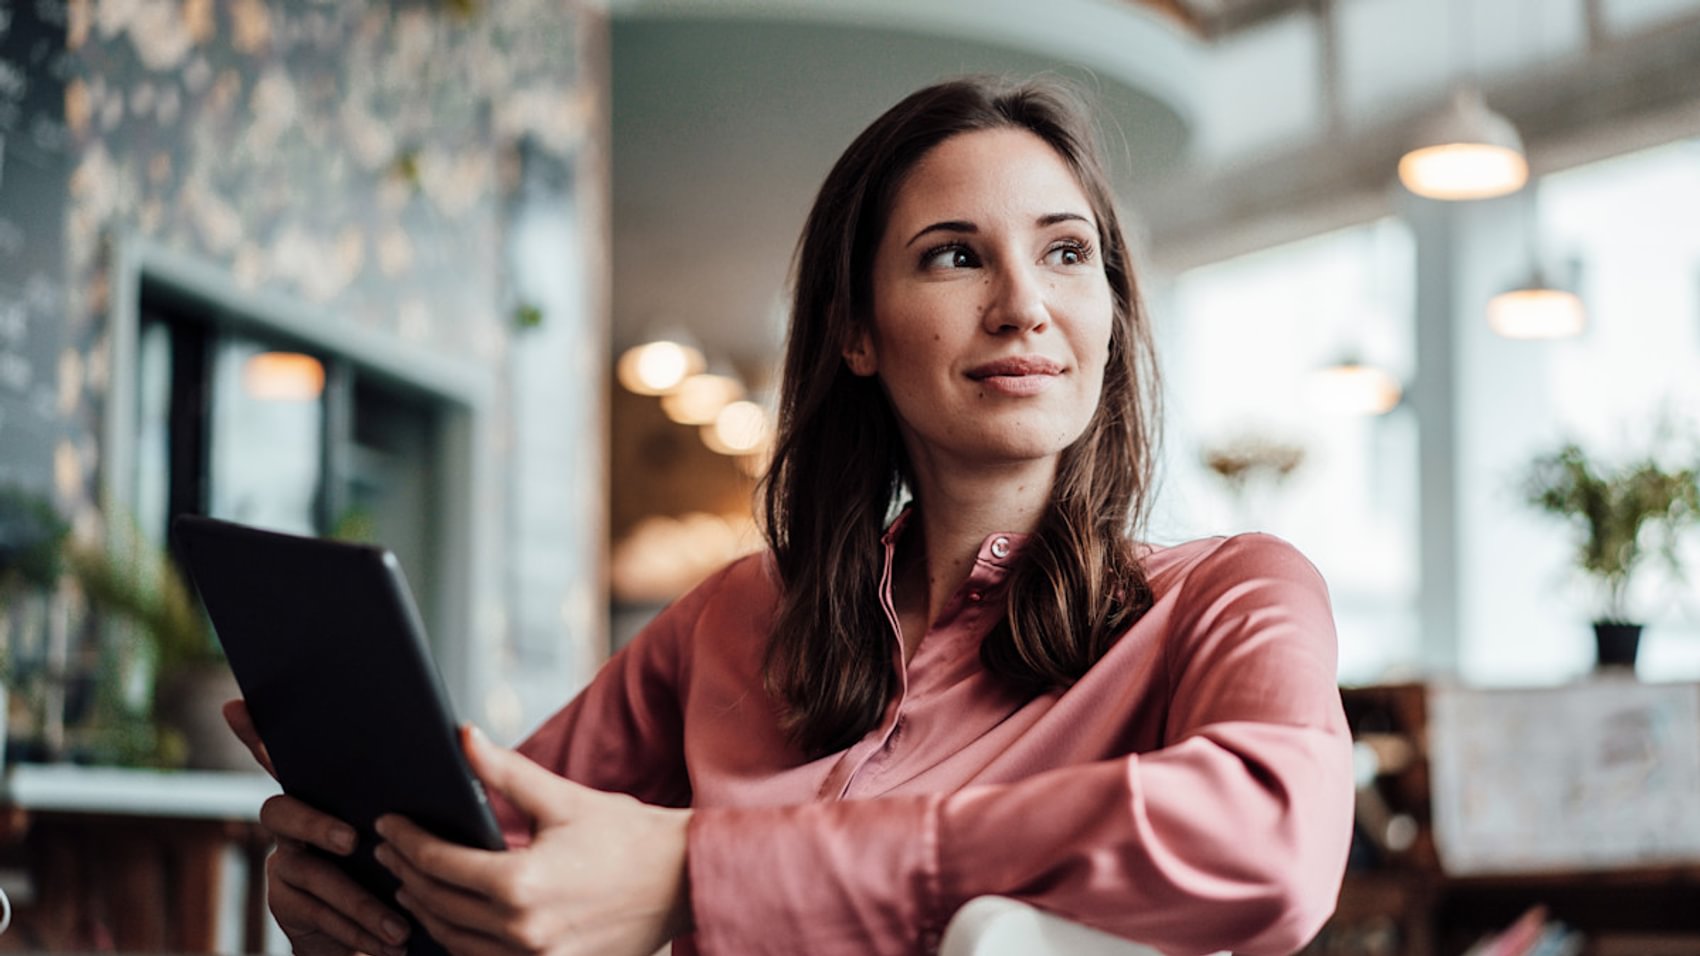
[
  {"x": 1400, "y": 902},
  {"x": 134, "y": 861}
]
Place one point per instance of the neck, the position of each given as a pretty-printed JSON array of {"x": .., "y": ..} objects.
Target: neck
[{"x": 957, "y": 509}]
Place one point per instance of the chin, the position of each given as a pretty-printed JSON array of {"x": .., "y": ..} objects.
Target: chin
[
  {"x": 1020, "y": 444},
  {"x": 1001, "y": 439}
]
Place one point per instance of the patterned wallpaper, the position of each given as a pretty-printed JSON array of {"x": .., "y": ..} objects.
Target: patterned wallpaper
[{"x": 361, "y": 156}]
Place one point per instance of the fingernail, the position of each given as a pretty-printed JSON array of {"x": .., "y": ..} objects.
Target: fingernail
[
  {"x": 343, "y": 840},
  {"x": 383, "y": 827},
  {"x": 394, "y": 930},
  {"x": 384, "y": 855}
]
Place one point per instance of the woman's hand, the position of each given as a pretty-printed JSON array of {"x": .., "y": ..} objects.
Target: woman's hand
[
  {"x": 321, "y": 910},
  {"x": 604, "y": 873}
]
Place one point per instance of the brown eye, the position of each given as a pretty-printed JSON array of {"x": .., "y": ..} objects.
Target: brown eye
[
  {"x": 949, "y": 257},
  {"x": 1068, "y": 254}
]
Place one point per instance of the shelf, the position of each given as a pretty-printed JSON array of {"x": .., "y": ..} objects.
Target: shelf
[{"x": 118, "y": 791}]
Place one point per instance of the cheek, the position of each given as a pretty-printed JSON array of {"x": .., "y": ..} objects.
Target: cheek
[
  {"x": 1093, "y": 352},
  {"x": 914, "y": 339},
  {"x": 1095, "y": 318}
]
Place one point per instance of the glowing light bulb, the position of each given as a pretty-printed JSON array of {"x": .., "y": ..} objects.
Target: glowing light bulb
[
  {"x": 739, "y": 429},
  {"x": 699, "y": 399},
  {"x": 657, "y": 368},
  {"x": 1536, "y": 313},
  {"x": 283, "y": 377},
  {"x": 1466, "y": 151},
  {"x": 1461, "y": 171},
  {"x": 1353, "y": 389}
]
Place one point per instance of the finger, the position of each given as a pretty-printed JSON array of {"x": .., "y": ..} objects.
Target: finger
[
  {"x": 457, "y": 940},
  {"x": 453, "y": 905},
  {"x": 292, "y": 907},
  {"x": 479, "y": 872},
  {"x": 305, "y": 891},
  {"x": 242, "y": 724},
  {"x": 289, "y": 818},
  {"x": 544, "y": 796}
]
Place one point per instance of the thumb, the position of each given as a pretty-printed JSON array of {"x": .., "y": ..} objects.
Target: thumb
[
  {"x": 242, "y": 725},
  {"x": 540, "y": 794}
]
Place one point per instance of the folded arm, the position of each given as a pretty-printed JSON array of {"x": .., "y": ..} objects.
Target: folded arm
[{"x": 1232, "y": 836}]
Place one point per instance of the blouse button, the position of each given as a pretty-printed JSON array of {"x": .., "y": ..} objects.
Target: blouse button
[{"x": 1000, "y": 547}]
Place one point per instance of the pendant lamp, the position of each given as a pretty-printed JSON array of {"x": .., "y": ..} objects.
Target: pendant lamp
[
  {"x": 1466, "y": 151},
  {"x": 1351, "y": 387},
  {"x": 699, "y": 398},
  {"x": 660, "y": 364},
  {"x": 1536, "y": 308}
]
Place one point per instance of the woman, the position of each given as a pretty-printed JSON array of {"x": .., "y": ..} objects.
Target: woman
[{"x": 997, "y": 693}]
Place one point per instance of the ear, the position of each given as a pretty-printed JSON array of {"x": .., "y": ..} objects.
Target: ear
[{"x": 859, "y": 353}]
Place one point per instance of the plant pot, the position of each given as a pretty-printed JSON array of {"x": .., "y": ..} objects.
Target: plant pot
[
  {"x": 189, "y": 699},
  {"x": 1616, "y": 644}
]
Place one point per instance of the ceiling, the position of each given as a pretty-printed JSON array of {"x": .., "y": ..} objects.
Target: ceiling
[
  {"x": 1214, "y": 19},
  {"x": 726, "y": 118}
]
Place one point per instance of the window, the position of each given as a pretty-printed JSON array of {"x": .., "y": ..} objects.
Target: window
[
  {"x": 266, "y": 430},
  {"x": 1625, "y": 226},
  {"x": 1245, "y": 340}
]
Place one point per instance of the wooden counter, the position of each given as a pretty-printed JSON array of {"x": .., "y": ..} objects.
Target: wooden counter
[{"x": 135, "y": 860}]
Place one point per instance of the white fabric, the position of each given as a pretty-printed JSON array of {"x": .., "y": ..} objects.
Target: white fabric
[{"x": 996, "y": 926}]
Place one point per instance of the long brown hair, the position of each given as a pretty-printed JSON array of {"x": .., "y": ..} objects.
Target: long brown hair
[{"x": 839, "y": 464}]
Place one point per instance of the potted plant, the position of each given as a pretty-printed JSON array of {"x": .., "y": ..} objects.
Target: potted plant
[
  {"x": 1622, "y": 515},
  {"x": 1252, "y": 468},
  {"x": 133, "y": 580},
  {"x": 32, "y": 537}
]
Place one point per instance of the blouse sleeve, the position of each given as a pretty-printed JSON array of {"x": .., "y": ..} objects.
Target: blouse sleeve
[
  {"x": 1232, "y": 837},
  {"x": 624, "y": 732}
]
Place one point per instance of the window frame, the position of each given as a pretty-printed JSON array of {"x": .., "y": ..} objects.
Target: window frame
[{"x": 465, "y": 569}]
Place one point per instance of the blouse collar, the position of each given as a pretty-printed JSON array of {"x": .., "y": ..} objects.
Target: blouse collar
[{"x": 998, "y": 549}]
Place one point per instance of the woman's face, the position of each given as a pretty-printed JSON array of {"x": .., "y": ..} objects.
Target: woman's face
[{"x": 991, "y": 311}]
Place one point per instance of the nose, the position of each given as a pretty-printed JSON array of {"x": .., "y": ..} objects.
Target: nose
[{"x": 1017, "y": 302}]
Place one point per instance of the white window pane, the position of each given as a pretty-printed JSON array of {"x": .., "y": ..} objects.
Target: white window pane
[
  {"x": 1247, "y": 339},
  {"x": 267, "y": 439},
  {"x": 1628, "y": 225}
]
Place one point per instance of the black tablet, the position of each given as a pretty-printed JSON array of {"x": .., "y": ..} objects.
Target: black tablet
[{"x": 328, "y": 648}]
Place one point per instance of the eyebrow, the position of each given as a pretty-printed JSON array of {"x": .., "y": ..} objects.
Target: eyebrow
[{"x": 963, "y": 225}]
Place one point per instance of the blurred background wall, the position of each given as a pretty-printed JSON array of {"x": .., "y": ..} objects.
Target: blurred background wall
[
  {"x": 411, "y": 193},
  {"x": 502, "y": 284},
  {"x": 465, "y": 217}
]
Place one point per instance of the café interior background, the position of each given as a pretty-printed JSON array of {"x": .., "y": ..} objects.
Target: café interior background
[{"x": 467, "y": 215}]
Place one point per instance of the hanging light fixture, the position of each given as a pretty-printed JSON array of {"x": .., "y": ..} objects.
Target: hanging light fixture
[
  {"x": 658, "y": 366},
  {"x": 1467, "y": 151},
  {"x": 1351, "y": 387},
  {"x": 741, "y": 428},
  {"x": 1536, "y": 308},
  {"x": 699, "y": 398}
]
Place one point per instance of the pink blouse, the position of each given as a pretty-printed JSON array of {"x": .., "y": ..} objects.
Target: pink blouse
[{"x": 1192, "y": 791}]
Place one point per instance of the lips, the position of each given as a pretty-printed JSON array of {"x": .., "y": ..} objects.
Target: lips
[{"x": 1016, "y": 366}]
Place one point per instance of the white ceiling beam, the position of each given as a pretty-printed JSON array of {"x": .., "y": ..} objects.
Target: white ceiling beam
[{"x": 1622, "y": 95}]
